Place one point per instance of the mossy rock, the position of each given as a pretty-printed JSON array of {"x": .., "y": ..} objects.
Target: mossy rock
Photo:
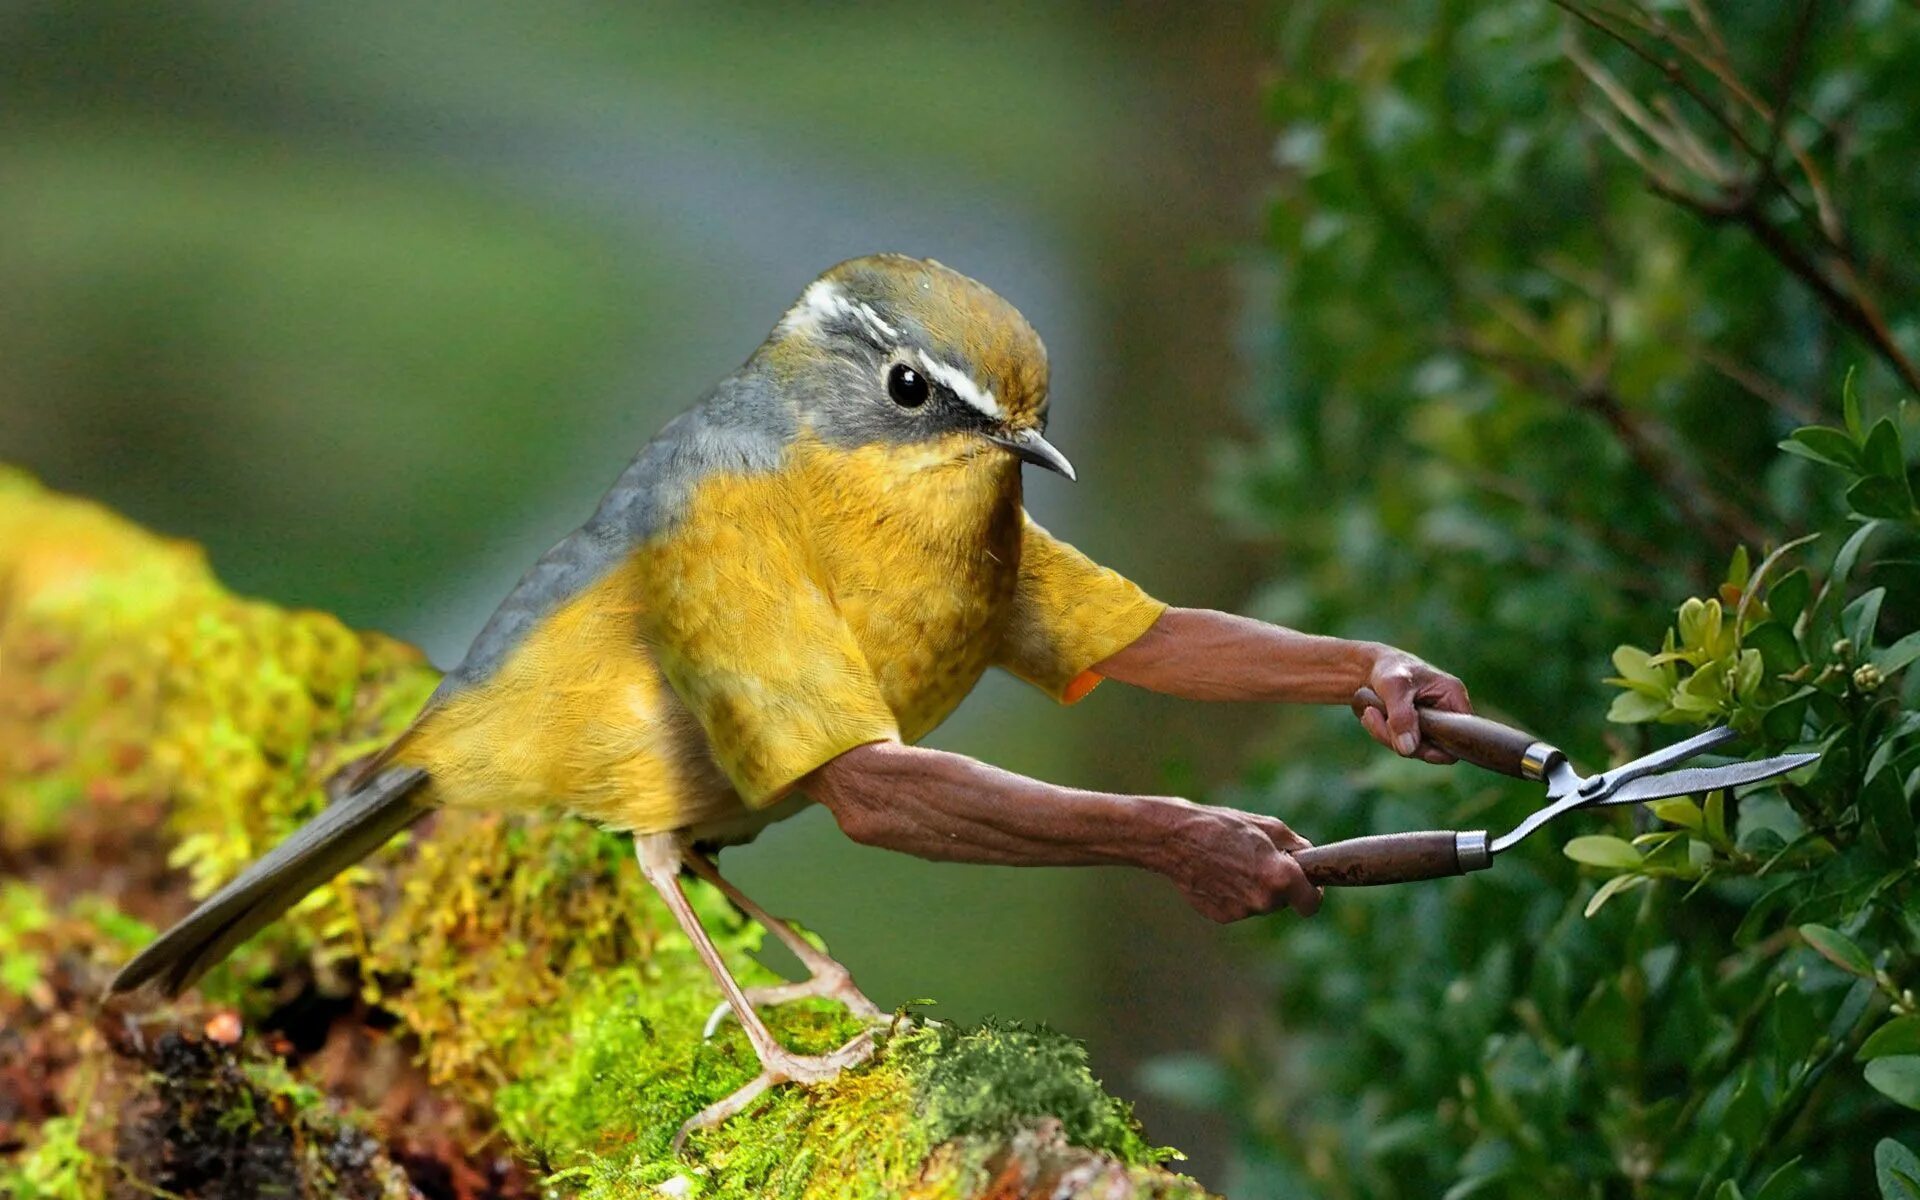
[{"x": 491, "y": 1006}]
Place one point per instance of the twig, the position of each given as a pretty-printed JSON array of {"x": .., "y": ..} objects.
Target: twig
[
  {"x": 1669, "y": 70},
  {"x": 1783, "y": 88},
  {"x": 1862, "y": 319},
  {"x": 1698, "y": 504},
  {"x": 1802, "y": 411},
  {"x": 1842, "y": 291}
]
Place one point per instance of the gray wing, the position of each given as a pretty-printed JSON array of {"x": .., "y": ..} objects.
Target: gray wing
[{"x": 738, "y": 427}]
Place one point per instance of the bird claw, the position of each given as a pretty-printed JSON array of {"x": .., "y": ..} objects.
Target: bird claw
[
  {"x": 822, "y": 987},
  {"x": 778, "y": 1068}
]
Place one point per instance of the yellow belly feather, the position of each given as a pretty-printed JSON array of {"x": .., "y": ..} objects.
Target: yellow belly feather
[{"x": 918, "y": 548}]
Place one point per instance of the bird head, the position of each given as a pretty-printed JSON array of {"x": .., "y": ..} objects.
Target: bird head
[{"x": 889, "y": 349}]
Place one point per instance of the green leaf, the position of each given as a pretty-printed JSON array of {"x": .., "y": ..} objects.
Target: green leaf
[
  {"x": 1716, "y": 814},
  {"x": 1897, "y": 1169},
  {"x": 1850, "y": 405},
  {"x": 1728, "y": 1190},
  {"x": 1740, "y": 569},
  {"x": 1702, "y": 693},
  {"x": 1884, "y": 799},
  {"x": 1878, "y": 496},
  {"x": 1762, "y": 911},
  {"x": 1788, "y": 597},
  {"x": 1681, "y": 811},
  {"x": 1778, "y": 648},
  {"x": 1881, "y": 452},
  {"x": 1611, "y": 888},
  {"x": 1838, "y": 949},
  {"x": 1636, "y": 666},
  {"x": 1636, "y": 708},
  {"x": 1849, "y": 554},
  {"x": 1898, "y": 1036},
  {"x": 1897, "y": 1077},
  {"x": 1603, "y": 850},
  {"x": 1784, "y": 1184},
  {"x": 1860, "y": 618},
  {"x": 1900, "y": 654},
  {"x": 1785, "y": 719},
  {"x": 1699, "y": 623},
  {"x": 1825, "y": 445}
]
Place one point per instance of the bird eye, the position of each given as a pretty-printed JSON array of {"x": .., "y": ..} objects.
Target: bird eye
[{"x": 906, "y": 386}]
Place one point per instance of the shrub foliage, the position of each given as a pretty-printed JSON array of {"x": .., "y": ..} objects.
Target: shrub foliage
[{"x": 1555, "y": 282}]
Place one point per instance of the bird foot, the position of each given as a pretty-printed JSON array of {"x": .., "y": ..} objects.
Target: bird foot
[
  {"x": 824, "y": 985},
  {"x": 780, "y": 1067}
]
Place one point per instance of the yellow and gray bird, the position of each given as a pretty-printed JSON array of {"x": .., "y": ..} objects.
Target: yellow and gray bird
[{"x": 799, "y": 578}]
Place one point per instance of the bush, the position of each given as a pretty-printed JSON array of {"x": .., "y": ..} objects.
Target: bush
[{"x": 1553, "y": 285}]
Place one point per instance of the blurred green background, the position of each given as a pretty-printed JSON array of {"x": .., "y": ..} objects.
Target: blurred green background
[
  {"x": 1467, "y": 326},
  {"x": 374, "y": 300}
]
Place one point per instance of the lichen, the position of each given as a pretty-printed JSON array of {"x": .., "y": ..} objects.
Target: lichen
[{"x": 151, "y": 719}]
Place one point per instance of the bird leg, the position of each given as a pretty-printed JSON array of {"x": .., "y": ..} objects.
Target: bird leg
[
  {"x": 661, "y": 857},
  {"x": 826, "y": 978}
]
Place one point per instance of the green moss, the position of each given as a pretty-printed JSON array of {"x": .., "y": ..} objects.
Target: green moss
[
  {"x": 603, "y": 1119},
  {"x": 56, "y": 1166},
  {"x": 23, "y": 913},
  {"x": 545, "y": 987},
  {"x": 994, "y": 1079}
]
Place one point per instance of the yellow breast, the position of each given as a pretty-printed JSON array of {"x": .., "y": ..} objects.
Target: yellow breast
[
  {"x": 922, "y": 548},
  {"x": 918, "y": 550}
]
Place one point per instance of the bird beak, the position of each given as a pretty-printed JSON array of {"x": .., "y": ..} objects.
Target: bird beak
[{"x": 1029, "y": 445}]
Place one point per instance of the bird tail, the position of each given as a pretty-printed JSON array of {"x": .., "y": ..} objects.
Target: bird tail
[{"x": 350, "y": 829}]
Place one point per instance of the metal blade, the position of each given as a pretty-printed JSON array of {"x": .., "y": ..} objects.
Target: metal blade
[
  {"x": 1694, "y": 780},
  {"x": 1647, "y": 764}
]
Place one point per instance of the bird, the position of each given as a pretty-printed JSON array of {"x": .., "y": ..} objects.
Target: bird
[{"x": 792, "y": 584}]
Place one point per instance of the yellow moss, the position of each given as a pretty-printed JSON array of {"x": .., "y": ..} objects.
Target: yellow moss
[
  {"x": 130, "y": 680},
  {"x": 543, "y": 982}
]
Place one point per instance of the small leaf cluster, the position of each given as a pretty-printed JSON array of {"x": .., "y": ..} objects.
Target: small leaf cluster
[{"x": 1819, "y": 663}]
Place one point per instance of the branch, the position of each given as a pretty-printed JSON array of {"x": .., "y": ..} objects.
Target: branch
[
  {"x": 1699, "y": 505},
  {"x": 1740, "y": 201},
  {"x": 496, "y": 1008}
]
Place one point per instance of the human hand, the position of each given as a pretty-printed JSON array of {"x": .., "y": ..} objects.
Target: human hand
[
  {"x": 1405, "y": 684},
  {"x": 1231, "y": 864}
]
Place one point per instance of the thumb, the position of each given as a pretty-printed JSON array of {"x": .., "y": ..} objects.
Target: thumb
[{"x": 1403, "y": 719}]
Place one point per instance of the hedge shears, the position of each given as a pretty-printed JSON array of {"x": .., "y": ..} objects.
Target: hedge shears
[{"x": 1439, "y": 853}]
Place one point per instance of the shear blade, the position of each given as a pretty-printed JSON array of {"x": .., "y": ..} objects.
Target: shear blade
[
  {"x": 1694, "y": 780},
  {"x": 1679, "y": 752}
]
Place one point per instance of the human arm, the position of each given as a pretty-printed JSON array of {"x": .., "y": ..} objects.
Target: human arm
[
  {"x": 1075, "y": 623},
  {"x": 951, "y": 808},
  {"x": 1199, "y": 654}
]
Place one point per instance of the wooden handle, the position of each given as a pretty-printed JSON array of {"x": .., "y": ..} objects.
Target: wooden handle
[
  {"x": 1477, "y": 740},
  {"x": 1391, "y": 858}
]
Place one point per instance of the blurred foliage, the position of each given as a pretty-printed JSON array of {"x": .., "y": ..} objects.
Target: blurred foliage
[
  {"x": 1554, "y": 281},
  {"x": 265, "y": 311}
]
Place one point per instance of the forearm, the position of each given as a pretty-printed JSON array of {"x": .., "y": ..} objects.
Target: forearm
[
  {"x": 1198, "y": 654},
  {"x": 951, "y": 808}
]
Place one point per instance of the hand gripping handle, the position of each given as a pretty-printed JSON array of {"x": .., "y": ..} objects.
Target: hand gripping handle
[
  {"x": 1482, "y": 742},
  {"x": 1395, "y": 858}
]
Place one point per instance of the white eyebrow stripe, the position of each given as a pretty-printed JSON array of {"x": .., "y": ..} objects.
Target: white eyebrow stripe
[
  {"x": 960, "y": 384},
  {"x": 872, "y": 318},
  {"x": 823, "y": 300}
]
